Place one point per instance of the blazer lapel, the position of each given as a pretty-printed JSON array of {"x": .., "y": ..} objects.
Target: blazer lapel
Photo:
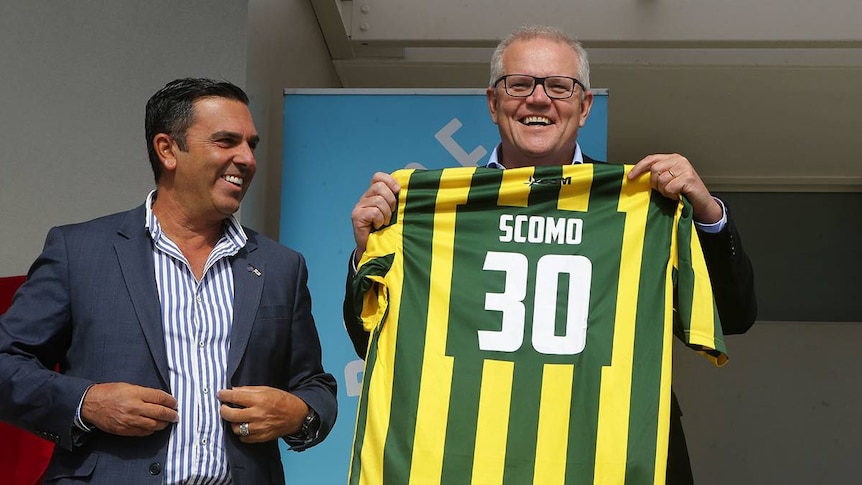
[
  {"x": 588, "y": 159},
  {"x": 249, "y": 272},
  {"x": 135, "y": 254}
]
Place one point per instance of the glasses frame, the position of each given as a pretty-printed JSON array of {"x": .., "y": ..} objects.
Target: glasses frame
[{"x": 537, "y": 81}]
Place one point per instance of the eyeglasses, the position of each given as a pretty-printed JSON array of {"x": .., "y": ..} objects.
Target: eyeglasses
[{"x": 523, "y": 85}]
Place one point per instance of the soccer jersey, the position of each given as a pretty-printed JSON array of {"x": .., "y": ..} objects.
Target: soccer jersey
[{"x": 521, "y": 325}]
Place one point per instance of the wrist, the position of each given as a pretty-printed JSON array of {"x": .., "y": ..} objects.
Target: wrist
[
  {"x": 79, "y": 420},
  {"x": 309, "y": 429}
]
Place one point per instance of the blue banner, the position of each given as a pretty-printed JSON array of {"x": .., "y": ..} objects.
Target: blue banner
[{"x": 334, "y": 141}]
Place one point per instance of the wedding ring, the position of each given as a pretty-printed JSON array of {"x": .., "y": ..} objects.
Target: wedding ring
[
  {"x": 243, "y": 429},
  {"x": 671, "y": 174}
]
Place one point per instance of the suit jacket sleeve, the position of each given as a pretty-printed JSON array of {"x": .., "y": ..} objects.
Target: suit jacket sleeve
[
  {"x": 732, "y": 278},
  {"x": 34, "y": 334}
]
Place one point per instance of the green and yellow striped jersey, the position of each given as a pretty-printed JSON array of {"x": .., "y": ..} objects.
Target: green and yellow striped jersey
[{"x": 521, "y": 325}]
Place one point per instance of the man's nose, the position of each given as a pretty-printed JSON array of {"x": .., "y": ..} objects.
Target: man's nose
[
  {"x": 244, "y": 154},
  {"x": 539, "y": 95}
]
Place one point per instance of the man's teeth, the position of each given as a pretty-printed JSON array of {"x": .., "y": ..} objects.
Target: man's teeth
[
  {"x": 536, "y": 120},
  {"x": 233, "y": 179}
]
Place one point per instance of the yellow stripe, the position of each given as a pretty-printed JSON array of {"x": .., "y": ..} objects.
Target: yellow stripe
[
  {"x": 514, "y": 189},
  {"x": 615, "y": 397},
  {"x": 380, "y": 387},
  {"x": 435, "y": 387},
  {"x": 554, "y": 410},
  {"x": 495, "y": 399},
  {"x": 576, "y": 196}
]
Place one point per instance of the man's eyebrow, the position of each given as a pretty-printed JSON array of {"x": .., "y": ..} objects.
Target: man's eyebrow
[
  {"x": 253, "y": 141},
  {"x": 226, "y": 134}
]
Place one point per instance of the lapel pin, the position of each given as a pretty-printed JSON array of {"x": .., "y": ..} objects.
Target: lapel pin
[{"x": 254, "y": 270}]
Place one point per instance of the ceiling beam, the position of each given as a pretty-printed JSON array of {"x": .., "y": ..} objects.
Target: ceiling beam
[{"x": 333, "y": 24}]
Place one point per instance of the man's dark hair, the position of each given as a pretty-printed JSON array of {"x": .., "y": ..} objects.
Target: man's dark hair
[{"x": 170, "y": 110}]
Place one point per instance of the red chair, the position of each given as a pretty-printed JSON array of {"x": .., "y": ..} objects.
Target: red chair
[{"x": 23, "y": 455}]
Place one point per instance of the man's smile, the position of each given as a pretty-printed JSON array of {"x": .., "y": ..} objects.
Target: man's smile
[
  {"x": 234, "y": 179},
  {"x": 536, "y": 121}
]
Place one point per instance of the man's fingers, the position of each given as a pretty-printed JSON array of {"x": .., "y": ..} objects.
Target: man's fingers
[
  {"x": 128, "y": 410},
  {"x": 158, "y": 396},
  {"x": 386, "y": 179},
  {"x": 644, "y": 165},
  {"x": 159, "y": 412}
]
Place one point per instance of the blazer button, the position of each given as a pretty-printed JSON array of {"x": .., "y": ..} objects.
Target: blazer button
[{"x": 155, "y": 468}]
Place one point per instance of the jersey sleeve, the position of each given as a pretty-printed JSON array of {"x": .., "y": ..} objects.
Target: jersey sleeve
[
  {"x": 696, "y": 312},
  {"x": 383, "y": 252}
]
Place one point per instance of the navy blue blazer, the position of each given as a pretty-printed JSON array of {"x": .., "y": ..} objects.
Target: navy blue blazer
[{"x": 90, "y": 305}]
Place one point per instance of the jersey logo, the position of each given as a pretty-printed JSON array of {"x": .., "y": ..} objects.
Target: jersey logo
[{"x": 553, "y": 181}]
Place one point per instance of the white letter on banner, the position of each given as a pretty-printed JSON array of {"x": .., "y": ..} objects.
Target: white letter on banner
[
  {"x": 444, "y": 136},
  {"x": 353, "y": 372}
]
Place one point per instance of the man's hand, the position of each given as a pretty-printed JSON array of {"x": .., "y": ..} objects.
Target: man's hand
[
  {"x": 128, "y": 410},
  {"x": 269, "y": 412},
  {"x": 373, "y": 210},
  {"x": 672, "y": 175}
]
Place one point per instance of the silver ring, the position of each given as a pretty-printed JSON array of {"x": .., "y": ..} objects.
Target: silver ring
[{"x": 243, "y": 429}]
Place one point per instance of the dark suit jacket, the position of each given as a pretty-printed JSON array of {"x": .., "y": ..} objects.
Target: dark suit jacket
[
  {"x": 732, "y": 280},
  {"x": 90, "y": 303}
]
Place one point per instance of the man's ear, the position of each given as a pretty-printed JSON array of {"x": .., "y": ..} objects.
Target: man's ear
[
  {"x": 586, "y": 105},
  {"x": 491, "y": 95},
  {"x": 166, "y": 150}
]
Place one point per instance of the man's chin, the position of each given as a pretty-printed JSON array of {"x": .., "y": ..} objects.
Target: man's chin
[
  {"x": 533, "y": 152},
  {"x": 227, "y": 209}
]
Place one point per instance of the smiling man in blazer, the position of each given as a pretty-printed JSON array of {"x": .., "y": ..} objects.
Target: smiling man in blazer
[{"x": 185, "y": 342}]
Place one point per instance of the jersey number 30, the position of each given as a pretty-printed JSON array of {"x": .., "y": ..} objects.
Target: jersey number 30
[{"x": 510, "y": 302}]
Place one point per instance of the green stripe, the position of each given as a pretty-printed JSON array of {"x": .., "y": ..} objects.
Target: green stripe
[
  {"x": 685, "y": 275},
  {"x": 462, "y": 421},
  {"x": 648, "y": 345},
  {"x": 523, "y": 423}
]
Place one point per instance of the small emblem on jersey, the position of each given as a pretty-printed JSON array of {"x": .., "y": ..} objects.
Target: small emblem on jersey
[{"x": 554, "y": 181}]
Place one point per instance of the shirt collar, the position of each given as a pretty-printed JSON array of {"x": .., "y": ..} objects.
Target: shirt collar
[{"x": 494, "y": 159}]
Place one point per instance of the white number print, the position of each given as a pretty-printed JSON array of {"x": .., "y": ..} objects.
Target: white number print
[{"x": 511, "y": 303}]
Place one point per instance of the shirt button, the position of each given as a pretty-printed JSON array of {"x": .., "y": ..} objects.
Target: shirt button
[
  {"x": 201, "y": 344},
  {"x": 206, "y": 390},
  {"x": 204, "y": 441},
  {"x": 198, "y": 298}
]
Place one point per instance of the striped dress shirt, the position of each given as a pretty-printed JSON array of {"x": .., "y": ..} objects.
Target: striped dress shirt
[{"x": 196, "y": 317}]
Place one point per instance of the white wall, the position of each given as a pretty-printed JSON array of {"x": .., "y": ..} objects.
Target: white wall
[
  {"x": 75, "y": 79},
  {"x": 285, "y": 50}
]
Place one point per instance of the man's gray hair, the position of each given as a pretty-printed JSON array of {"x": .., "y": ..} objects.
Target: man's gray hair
[{"x": 540, "y": 32}]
